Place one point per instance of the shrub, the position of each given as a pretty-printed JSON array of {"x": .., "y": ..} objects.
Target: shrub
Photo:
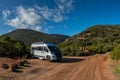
[
  {"x": 115, "y": 53},
  {"x": 14, "y": 67},
  {"x": 93, "y": 49},
  {"x": 5, "y": 66},
  {"x": 80, "y": 53},
  {"x": 11, "y": 48},
  {"x": 65, "y": 50},
  {"x": 107, "y": 48}
]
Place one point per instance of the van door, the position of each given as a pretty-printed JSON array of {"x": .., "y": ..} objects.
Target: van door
[
  {"x": 46, "y": 51},
  {"x": 39, "y": 51}
]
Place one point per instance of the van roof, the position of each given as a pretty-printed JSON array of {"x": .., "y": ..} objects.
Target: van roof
[
  {"x": 42, "y": 43},
  {"x": 47, "y": 43}
]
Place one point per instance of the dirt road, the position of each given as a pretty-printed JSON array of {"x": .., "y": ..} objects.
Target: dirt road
[{"x": 95, "y": 67}]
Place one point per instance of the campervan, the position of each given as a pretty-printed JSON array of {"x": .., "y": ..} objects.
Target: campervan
[{"x": 46, "y": 50}]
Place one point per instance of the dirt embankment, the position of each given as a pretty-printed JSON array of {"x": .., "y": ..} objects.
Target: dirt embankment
[{"x": 97, "y": 67}]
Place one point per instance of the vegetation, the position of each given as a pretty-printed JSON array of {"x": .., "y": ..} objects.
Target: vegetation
[
  {"x": 14, "y": 43},
  {"x": 96, "y": 39},
  {"x": 11, "y": 48},
  {"x": 115, "y": 53},
  {"x": 116, "y": 67},
  {"x": 117, "y": 70},
  {"x": 28, "y": 36}
]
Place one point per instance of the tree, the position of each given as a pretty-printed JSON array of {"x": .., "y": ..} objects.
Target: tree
[
  {"x": 11, "y": 48},
  {"x": 20, "y": 48}
]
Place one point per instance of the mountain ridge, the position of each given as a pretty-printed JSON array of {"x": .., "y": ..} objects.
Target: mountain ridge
[
  {"x": 28, "y": 36},
  {"x": 95, "y": 39}
]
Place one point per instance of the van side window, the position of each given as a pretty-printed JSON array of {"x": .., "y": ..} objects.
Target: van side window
[
  {"x": 40, "y": 48},
  {"x": 33, "y": 48},
  {"x": 45, "y": 49}
]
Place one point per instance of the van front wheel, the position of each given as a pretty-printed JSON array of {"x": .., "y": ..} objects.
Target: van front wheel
[{"x": 48, "y": 58}]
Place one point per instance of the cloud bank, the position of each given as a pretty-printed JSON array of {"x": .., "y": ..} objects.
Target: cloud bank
[
  {"x": 25, "y": 18},
  {"x": 32, "y": 17}
]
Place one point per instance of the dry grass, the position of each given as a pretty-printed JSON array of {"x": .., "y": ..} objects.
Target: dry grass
[{"x": 116, "y": 67}]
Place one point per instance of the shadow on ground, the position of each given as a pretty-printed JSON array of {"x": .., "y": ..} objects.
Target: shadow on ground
[{"x": 71, "y": 60}]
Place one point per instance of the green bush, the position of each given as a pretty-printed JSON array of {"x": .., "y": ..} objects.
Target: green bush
[
  {"x": 11, "y": 48},
  {"x": 65, "y": 50},
  {"x": 107, "y": 48},
  {"x": 93, "y": 49},
  {"x": 80, "y": 53},
  {"x": 115, "y": 53}
]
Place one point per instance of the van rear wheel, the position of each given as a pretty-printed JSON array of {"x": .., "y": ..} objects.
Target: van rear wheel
[{"x": 48, "y": 58}]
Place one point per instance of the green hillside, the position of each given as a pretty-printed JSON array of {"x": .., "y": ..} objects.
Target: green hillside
[
  {"x": 96, "y": 39},
  {"x": 28, "y": 36}
]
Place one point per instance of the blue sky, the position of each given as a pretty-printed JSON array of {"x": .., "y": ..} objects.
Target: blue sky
[{"x": 68, "y": 17}]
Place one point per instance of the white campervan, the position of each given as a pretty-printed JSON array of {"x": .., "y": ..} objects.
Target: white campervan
[{"x": 45, "y": 50}]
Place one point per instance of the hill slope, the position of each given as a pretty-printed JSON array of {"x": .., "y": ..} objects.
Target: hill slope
[
  {"x": 96, "y": 39},
  {"x": 100, "y": 32},
  {"x": 28, "y": 36}
]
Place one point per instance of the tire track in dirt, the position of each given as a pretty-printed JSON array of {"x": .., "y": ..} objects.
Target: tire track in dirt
[
  {"x": 91, "y": 68},
  {"x": 85, "y": 69}
]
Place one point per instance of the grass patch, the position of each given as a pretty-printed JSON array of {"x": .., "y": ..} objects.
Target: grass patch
[
  {"x": 116, "y": 67},
  {"x": 7, "y": 76},
  {"x": 117, "y": 70}
]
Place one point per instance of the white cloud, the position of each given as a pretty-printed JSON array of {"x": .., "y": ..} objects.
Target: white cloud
[
  {"x": 26, "y": 18},
  {"x": 56, "y": 14},
  {"x": 32, "y": 17},
  {"x": 50, "y": 14},
  {"x": 16, "y": 22},
  {"x": 5, "y": 13},
  {"x": 28, "y": 15},
  {"x": 37, "y": 28},
  {"x": 9, "y": 30},
  {"x": 65, "y": 6}
]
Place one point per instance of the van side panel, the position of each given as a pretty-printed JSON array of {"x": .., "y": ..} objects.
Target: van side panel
[{"x": 40, "y": 49}]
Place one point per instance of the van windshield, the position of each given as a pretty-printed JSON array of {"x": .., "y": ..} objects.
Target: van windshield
[{"x": 53, "y": 48}]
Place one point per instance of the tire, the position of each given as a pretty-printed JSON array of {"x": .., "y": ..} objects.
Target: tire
[
  {"x": 59, "y": 60},
  {"x": 48, "y": 58}
]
